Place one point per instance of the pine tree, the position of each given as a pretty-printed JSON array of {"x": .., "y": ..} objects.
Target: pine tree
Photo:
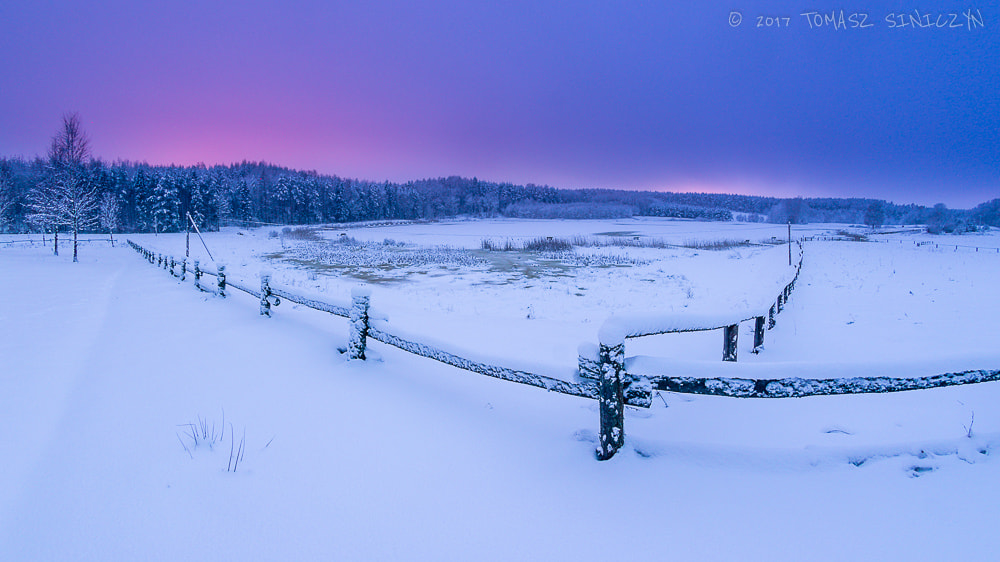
[{"x": 165, "y": 204}]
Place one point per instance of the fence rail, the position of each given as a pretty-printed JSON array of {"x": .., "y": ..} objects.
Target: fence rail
[
  {"x": 799, "y": 387},
  {"x": 601, "y": 369}
]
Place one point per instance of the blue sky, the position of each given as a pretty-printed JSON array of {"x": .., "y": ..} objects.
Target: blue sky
[{"x": 635, "y": 95}]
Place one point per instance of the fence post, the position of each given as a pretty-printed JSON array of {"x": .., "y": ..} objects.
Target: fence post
[
  {"x": 758, "y": 334},
  {"x": 770, "y": 318},
  {"x": 184, "y": 268},
  {"x": 265, "y": 292},
  {"x": 172, "y": 264},
  {"x": 781, "y": 302},
  {"x": 222, "y": 281},
  {"x": 358, "y": 340},
  {"x": 197, "y": 275},
  {"x": 729, "y": 335},
  {"x": 611, "y": 397}
]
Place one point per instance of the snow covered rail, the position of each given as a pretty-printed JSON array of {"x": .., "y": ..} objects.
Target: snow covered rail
[
  {"x": 799, "y": 387},
  {"x": 336, "y": 310},
  {"x": 585, "y": 389}
]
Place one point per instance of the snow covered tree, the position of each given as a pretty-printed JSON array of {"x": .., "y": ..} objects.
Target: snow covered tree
[
  {"x": 165, "y": 204},
  {"x": 108, "y": 214},
  {"x": 66, "y": 198}
]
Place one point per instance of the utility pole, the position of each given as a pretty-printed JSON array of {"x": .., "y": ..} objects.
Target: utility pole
[{"x": 789, "y": 241}]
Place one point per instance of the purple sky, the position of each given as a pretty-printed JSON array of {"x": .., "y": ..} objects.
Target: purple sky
[{"x": 625, "y": 94}]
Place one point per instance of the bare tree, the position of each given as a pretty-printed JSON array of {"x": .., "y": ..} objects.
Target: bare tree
[
  {"x": 108, "y": 215},
  {"x": 66, "y": 198}
]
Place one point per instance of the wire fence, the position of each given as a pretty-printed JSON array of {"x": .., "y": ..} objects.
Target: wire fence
[
  {"x": 929, "y": 244},
  {"x": 601, "y": 369},
  {"x": 48, "y": 241}
]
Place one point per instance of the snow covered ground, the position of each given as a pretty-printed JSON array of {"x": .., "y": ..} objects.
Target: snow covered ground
[{"x": 102, "y": 363}]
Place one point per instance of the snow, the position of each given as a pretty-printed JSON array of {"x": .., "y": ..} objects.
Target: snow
[{"x": 400, "y": 457}]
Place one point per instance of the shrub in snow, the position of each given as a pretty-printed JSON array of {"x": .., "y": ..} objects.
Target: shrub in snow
[{"x": 206, "y": 435}]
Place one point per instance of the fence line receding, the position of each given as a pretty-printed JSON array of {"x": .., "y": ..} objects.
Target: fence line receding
[{"x": 601, "y": 368}]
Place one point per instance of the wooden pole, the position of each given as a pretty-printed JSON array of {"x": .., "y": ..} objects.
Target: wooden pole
[
  {"x": 758, "y": 334},
  {"x": 612, "y": 396},
  {"x": 222, "y": 281},
  {"x": 358, "y": 337},
  {"x": 789, "y": 242},
  {"x": 729, "y": 335},
  {"x": 265, "y": 292}
]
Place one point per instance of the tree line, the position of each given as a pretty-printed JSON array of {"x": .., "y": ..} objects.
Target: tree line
[{"x": 70, "y": 191}]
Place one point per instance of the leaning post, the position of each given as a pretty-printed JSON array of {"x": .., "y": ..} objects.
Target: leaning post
[
  {"x": 358, "y": 337},
  {"x": 611, "y": 393}
]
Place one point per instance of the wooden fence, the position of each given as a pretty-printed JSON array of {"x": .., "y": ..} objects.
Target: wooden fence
[{"x": 601, "y": 369}]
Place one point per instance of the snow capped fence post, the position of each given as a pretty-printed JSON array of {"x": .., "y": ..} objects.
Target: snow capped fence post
[
  {"x": 781, "y": 302},
  {"x": 358, "y": 340},
  {"x": 222, "y": 281},
  {"x": 770, "y": 318},
  {"x": 173, "y": 263},
  {"x": 265, "y": 293},
  {"x": 611, "y": 396},
  {"x": 184, "y": 268},
  {"x": 729, "y": 335},
  {"x": 197, "y": 275}
]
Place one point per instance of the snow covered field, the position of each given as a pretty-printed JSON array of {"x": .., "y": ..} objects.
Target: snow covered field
[{"x": 102, "y": 364}]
